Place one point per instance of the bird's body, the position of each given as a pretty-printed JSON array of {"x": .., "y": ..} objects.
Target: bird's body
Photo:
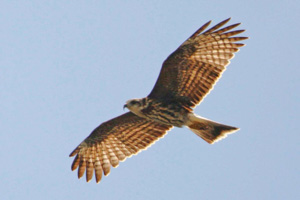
[
  {"x": 186, "y": 77},
  {"x": 169, "y": 113}
]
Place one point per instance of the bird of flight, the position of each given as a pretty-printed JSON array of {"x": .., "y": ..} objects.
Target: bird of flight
[{"x": 186, "y": 77}]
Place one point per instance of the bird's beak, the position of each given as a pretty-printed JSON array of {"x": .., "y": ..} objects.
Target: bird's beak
[{"x": 125, "y": 106}]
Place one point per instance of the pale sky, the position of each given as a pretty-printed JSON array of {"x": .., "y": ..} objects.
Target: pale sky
[{"x": 66, "y": 67}]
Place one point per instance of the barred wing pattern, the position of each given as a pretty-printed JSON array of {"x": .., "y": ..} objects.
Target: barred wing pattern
[
  {"x": 114, "y": 141},
  {"x": 191, "y": 71}
]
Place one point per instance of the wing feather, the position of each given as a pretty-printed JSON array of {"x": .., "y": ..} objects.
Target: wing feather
[
  {"x": 192, "y": 70},
  {"x": 114, "y": 141},
  {"x": 219, "y": 25}
]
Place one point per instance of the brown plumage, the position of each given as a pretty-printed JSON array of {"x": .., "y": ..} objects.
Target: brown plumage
[
  {"x": 186, "y": 77},
  {"x": 114, "y": 141},
  {"x": 191, "y": 71}
]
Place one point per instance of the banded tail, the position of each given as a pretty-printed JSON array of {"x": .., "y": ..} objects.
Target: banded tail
[{"x": 208, "y": 130}]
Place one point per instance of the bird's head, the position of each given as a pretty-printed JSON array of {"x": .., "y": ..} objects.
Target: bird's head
[{"x": 134, "y": 105}]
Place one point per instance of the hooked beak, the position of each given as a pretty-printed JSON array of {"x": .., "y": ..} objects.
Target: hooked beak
[{"x": 125, "y": 106}]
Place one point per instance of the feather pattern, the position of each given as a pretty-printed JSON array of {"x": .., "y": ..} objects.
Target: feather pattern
[
  {"x": 186, "y": 77},
  {"x": 192, "y": 70},
  {"x": 114, "y": 141}
]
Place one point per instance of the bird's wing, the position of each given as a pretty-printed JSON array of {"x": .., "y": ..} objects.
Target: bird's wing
[
  {"x": 114, "y": 141},
  {"x": 191, "y": 71}
]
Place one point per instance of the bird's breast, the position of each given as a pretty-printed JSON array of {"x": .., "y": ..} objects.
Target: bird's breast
[{"x": 171, "y": 114}]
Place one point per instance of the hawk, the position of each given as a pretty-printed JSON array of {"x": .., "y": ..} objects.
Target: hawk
[{"x": 186, "y": 77}]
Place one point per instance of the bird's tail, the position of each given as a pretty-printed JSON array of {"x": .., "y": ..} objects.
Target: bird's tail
[{"x": 208, "y": 130}]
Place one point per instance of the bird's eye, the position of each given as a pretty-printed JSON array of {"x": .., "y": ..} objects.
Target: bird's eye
[{"x": 134, "y": 102}]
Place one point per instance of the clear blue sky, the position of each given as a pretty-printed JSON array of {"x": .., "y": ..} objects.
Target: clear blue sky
[{"x": 66, "y": 67}]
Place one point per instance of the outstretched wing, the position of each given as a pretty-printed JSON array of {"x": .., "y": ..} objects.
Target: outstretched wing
[
  {"x": 114, "y": 141},
  {"x": 191, "y": 71}
]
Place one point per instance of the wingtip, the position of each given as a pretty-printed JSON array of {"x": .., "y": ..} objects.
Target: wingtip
[
  {"x": 201, "y": 29},
  {"x": 226, "y": 20},
  {"x": 243, "y": 38},
  {"x": 88, "y": 180},
  {"x": 74, "y": 152},
  {"x": 207, "y": 23}
]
